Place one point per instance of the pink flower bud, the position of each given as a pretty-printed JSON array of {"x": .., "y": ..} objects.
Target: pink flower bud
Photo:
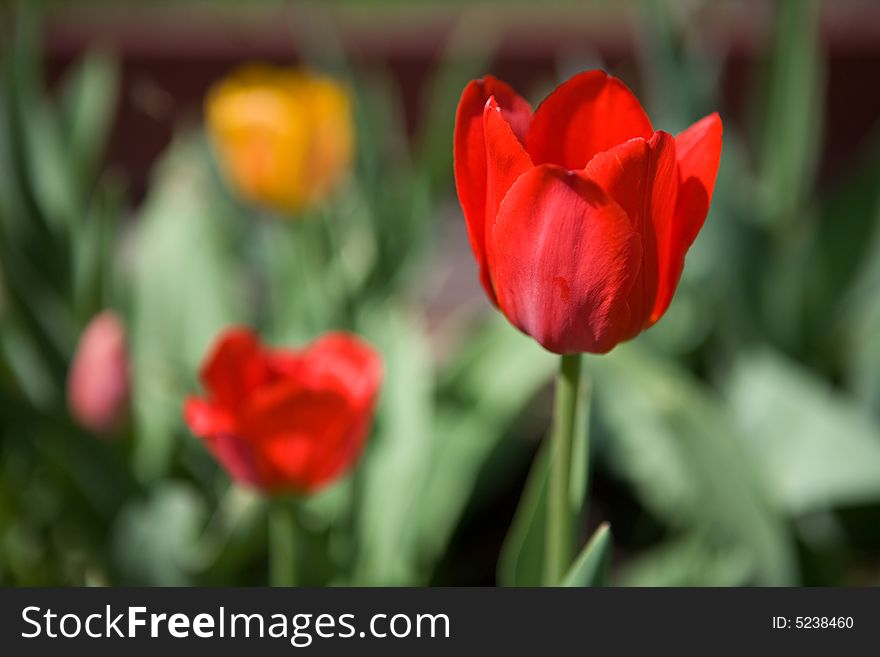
[{"x": 98, "y": 382}]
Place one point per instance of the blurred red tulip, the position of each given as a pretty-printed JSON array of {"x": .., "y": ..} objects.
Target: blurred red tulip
[
  {"x": 284, "y": 420},
  {"x": 579, "y": 214},
  {"x": 98, "y": 382}
]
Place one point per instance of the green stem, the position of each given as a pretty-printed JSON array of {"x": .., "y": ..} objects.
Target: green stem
[
  {"x": 282, "y": 543},
  {"x": 334, "y": 242},
  {"x": 559, "y": 545},
  {"x": 308, "y": 274}
]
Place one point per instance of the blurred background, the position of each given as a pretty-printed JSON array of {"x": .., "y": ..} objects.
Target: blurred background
[{"x": 736, "y": 443}]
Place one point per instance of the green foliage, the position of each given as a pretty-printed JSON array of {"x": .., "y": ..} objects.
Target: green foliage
[
  {"x": 154, "y": 539},
  {"x": 60, "y": 488},
  {"x": 183, "y": 292},
  {"x": 521, "y": 562},
  {"x": 791, "y": 122},
  {"x": 816, "y": 449},
  {"x": 678, "y": 445},
  {"x": 591, "y": 566}
]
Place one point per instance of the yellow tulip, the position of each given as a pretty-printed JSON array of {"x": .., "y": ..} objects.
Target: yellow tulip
[{"x": 284, "y": 137}]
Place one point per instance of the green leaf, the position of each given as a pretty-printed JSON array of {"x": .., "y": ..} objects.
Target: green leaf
[
  {"x": 854, "y": 256},
  {"x": 467, "y": 55},
  {"x": 793, "y": 111},
  {"x": 292, "y": 259},
  {"x": 393, "y": 472},
  {"x": 816, "y": 448},
  {"x": 693, "y": 559},
  {"x": 234, "y": 536},
  {"x": 88, "y": 102},
  {"x": 521, "y": 562},
  {"x": 31, "y": 372},
  {"x": 185, "y": 290},
  {"x": 673, "y": 440},
  {"x": 591, "y": 566},
  {"x": 38, "y": 307},
  {"x": 681, "y": 77},
  {"x": 501, "y": 372},
  {"x": 94, "y": 275},
  {"x": 54, "y": 188},
  {"x": 843, "y": 255},
  {"x": 155, "y": 541}
]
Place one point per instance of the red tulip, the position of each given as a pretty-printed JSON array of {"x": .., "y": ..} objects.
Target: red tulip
[
  {"x": 284, "y": 420},
  {"x": 98, "y": 382},
  {"x": 579, "y": 214}
]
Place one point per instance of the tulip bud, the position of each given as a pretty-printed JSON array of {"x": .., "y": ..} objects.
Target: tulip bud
[
  {"x": 283, "y": 137},
  {"x": 98, "y": 382}
]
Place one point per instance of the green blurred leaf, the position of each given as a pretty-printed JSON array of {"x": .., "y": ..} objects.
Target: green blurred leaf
[
  {"x": 94, "y": 274},
  {"x": 848, "y": 236},
  {"x": 682, "y": 77},
  {"x": 88, "y": 103},
  {"x": 500, "y": 373},
  {"x": 673, "y": 440},
  {"x": 391, "y": 195},
  {"x": 155, "y": 541},
  {"x": 591, "y": 566},
  {"x": 52, "y": 181},
  {"x": 792, "y": 128},
  {"x": 38, "y": 308},
  {"x": 816, "y": 449},
  {"x": 862, "y": 356},
  {"x": 466, "y": 55},
  {"x": 693, "y": 559},
  {"x": 32, "y": 373},
  {"x": 34, "y": 139},
  {"x": 521, "y": 562},
  {"x": 293, "y": 260},
  {"x": 234, "y": 536},
  {"x": 393, "y": 473},
  {"x": 851, "y": 280},
  {"x": 97, "y": 471},
  {"x": 185, "y": 290}
]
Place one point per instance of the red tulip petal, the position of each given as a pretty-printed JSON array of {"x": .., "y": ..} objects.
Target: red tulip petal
[
  {"x": 336, "y": 461},
  {"x": 589, "y": 113},
  {"x": 312, "y": 427},
  {"x": 206, "y": 419},
  {"x": 507, "y": 160},
  {"x": 698, "y": 151},
  {"x": 235, "y": 368},
  {"x": 563, "y": 257},
  {"x": 241, "y": 461},
  {"x": 642, "y": 176},
  {"x": 219, "y": 430},
  {"x": 345, "y": 363},
  {"x": 470, "y": 155},
  {"x": 293, "y": 429},
  {"x": 283, "y": 363}
]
